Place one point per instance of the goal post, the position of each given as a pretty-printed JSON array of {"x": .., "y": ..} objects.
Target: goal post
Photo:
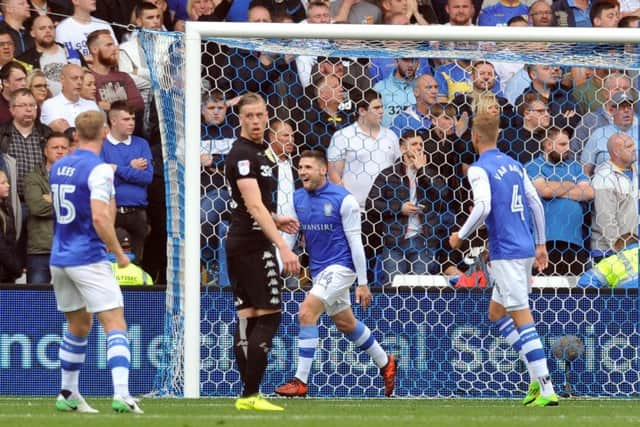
[{"x": 494, "y": 43}]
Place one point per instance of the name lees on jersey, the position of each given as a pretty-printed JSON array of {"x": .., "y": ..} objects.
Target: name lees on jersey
[
  {"x": 66, "y": 171},
  {"x": 502, "y": 171}
]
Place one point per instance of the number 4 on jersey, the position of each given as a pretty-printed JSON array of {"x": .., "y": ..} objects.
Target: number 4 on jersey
[{"x": 516, "y": 202}]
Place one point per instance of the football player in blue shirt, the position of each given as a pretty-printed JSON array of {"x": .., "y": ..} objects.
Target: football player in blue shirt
[
  {"x": 84, "y": 204},
  {"x": 329, "y": 219},
  {"x": 504, "y": 198}
]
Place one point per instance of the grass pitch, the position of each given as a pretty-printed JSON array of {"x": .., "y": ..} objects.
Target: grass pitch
[{"x": 29, "y": 412}]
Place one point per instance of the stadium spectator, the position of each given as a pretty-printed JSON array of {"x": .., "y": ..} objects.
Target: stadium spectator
[
  {"x": 337, "y": 66},
  {"x": 541, "y": 14},
  {"x": 357, "y": 153},
  {"x": 416, "y": 117},
  {"x": 381, "y": 68},
  {"x": 46, "y": 54},
  {"x": 324, "y": 117},
  {"x": 483, "y": 80},
  {"x": 60, "y": 112},
  {"x": 496, "y": 182},
  {"x": 37, "y": 84},
  {"x": 623, "y": 121},
  {"x": 37, "y": 195},
  {"x": 397, "y": 90},
  {"x": 505, "y": 71},
  {"x": 24, "y": 136},
  {"x": 111, "y": 85},
  {"x": 605, "y": 13},
  {"x": 523, "y": 143},
  {"x": 456, "y": 77},
  {"x": 598, "y": 115},
  {"x": 615, "y": 205},
  {"x": 281, "y": 143},
  {"x": 13, "y": 76},
  {"x": 500, "y": 13},
  {"x": 317, "y": 13},
  {"x": 294, "y": 8},
  {"x": 72, "y": 32},
  {"x": 251, "y": 251},
  {"x": 130, "y": 158},
  {"x": 15, "y": 13},
  {"x": 79, "y": 243},
  {"x": 461, "y": 12},
  {"x": 562, "y": 187},
  {"x": 411, "y": 203},
  {"x": 217, "y": 134},
  {"x": 331, "y": 225},
  {"x": 10, "y": 266},
  {"x": 116, "y": 12},
  {"x": 132, "y": 274},
  {"x": 572, "y": 13},
  {"x": 273, "y": 76},
  {"x": 545, "y": 83},
  {"x": 355, "y": 12},
  {"x": 88, "y": 90},
  {"x": 55, "y": 9}
]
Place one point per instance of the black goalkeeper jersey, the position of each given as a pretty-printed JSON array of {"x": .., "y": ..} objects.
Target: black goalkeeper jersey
[{"x": 249, "y": 160}]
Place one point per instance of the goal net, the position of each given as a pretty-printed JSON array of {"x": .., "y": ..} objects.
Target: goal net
[{"x": 558, "y": 91}]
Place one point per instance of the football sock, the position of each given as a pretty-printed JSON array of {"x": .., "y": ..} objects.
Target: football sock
[
  {"x": 510, "y": 333},
  {"x": 361, "y": 336},
  {"x": 532, "y": 348},
  {"x": 307, "y": 343},
  {"x": 118, "y": 357},
  {"x": 72, "y": 354},
  {"x": 241, "y": 342},
  {"x": 258, "y": 347}
]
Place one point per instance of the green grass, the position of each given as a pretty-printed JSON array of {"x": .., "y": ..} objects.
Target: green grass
[{"x": 25, "y": 411}]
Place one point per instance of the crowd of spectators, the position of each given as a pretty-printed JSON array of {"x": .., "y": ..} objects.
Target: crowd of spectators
[{"x": 396, "y": 130}]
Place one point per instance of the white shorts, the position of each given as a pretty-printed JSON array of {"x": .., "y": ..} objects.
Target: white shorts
[
  {"x": 512, "y": 282},
  {"x": 332, "y": 286},
  {"x": 92, "y": 286}
]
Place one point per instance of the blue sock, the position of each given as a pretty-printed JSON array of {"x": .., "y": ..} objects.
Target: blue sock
[
  {"x": 307, "y": 343},
  {"x": 361, "y": 336},
  {"x": 532, "y": 348},
  {"x": 72, "y": 354},
  {"x": 118, "y": 356},
  {"x": 510, "y": 333}
]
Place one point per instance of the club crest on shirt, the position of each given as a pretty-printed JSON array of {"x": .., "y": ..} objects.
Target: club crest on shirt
[
  {"x": 243, "y": 167},
  {"x": 328, "y": 209}
]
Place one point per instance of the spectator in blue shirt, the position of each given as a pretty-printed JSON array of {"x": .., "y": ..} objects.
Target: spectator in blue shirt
[
  {"x": 417, "y": 116},
  {"x": 500, "y": 13},
  {"x": 130, "y": 157},
  {"x": 563, "y": 188},
  {"x": 396, "y": 90},
  {"x": 574, "y": 12}
]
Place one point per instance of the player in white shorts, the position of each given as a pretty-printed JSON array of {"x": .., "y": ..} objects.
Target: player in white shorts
[
  {"x": 83, "y": 199},
  {"x": 505, "y": 199},
  {"x": 330, "y": 221}
]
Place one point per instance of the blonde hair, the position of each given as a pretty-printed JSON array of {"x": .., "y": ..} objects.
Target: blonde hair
[
  {"x": 486, "y": 125},
  {"x": 90, "y": 125},
  {"x": 483, "y": 101}
]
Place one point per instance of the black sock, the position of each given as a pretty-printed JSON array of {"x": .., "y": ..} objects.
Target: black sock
[
  {"x": 244, "y": 327},
  {"x": 258, "y": 351}
]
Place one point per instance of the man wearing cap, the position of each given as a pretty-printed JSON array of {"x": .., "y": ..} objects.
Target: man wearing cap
[
  {"x": 623, "y": 121},
  {"x": 131, "y": 275}
]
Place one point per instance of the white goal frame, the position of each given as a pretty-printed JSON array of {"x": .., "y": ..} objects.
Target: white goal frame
[{"x": 195, "y": 31}]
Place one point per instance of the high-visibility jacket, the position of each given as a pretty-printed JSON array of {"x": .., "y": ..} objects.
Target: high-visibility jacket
[
  {"x": 618, "y": 268},
  {"x": 131, "y": 275}
]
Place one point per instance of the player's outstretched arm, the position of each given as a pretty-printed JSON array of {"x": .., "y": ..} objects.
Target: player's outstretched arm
[
  {"x": 352, "y": 226},
  {"x": 250, "y": 192},
  {"x": 481, "y": 205}
]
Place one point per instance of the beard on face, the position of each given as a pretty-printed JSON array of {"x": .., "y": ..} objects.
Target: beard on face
[
  {"x": 109, "y": 61},
  {"x": 555, "y": 157},
  {"x": 46, "y": 43}
]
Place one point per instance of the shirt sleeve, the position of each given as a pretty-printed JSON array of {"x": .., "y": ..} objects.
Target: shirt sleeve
[
  {"x": 337, "y": 148},
  {"x": 352, "y": 225},
  {"x": 243, "y": 165},
  {"x": 537, "y": 210},
  {"x": 101, "y": 183},
  {"x": 481, "y": 201}
]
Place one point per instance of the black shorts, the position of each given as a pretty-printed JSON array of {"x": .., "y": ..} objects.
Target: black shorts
[{"x": 255, "y": 279}]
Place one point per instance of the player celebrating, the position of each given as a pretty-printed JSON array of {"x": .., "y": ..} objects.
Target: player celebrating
[
  {"x": 503, "y": 196},
  {"x": 83, "y": 282},
  {"x": 330, "y": 221},
  {"x": 252, "y": 260}
]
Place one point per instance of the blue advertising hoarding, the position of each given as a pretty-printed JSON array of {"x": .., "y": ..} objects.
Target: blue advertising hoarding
[{"x": 445, "y": 345}]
